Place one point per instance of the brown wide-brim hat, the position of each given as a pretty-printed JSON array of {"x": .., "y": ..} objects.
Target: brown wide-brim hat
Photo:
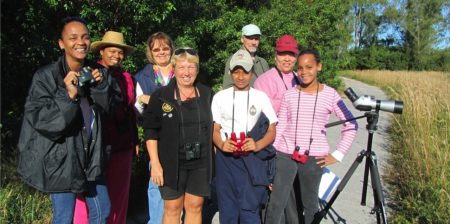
[{"x": 112, "y": 39}]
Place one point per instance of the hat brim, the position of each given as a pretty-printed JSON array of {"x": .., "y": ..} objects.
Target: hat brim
[
  {"x": 287, "y": 49},
  {"x": 246, "y": 66},
  {"x": 98, "y": 45},
  {"x": 251, "y": 34}
]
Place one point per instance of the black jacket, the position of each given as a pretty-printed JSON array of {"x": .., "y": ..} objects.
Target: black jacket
[
  {"x": 54, "y": 154},
  {"x": 159, "y": 125}
]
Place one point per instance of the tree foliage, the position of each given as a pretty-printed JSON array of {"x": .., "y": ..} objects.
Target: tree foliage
[
  {"x": 368, "y": 16},
  {"x": 411, "y": 30},
  {"x": 419, "y": 31}
]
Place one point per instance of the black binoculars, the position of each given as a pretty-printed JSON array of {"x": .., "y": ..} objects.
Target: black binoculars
[
  {"x": 85, "y": 77},
  {"x": 193, "y": 150}
]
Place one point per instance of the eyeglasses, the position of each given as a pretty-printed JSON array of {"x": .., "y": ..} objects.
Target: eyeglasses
[
  {"x": 184, "y": 50},
  {"x": 156, "y": 50}
]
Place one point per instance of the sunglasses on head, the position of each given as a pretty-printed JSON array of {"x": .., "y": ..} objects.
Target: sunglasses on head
[{"x": 184, "y": 50}]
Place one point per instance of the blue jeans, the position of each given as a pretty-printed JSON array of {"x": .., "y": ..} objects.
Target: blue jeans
[
  {"x": 97, "y": 201},
  {"x": 155, "y": 203}
]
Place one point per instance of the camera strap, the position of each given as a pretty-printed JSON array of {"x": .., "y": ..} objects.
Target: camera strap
[
  {"x": 246, "y": 119},
  {"x": 177, "y": 92},
  {"x": 312, "y": 122},
  {"x": 297, "y": 81}
]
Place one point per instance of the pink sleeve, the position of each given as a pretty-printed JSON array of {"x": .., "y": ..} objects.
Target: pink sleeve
[
  {"x": 348, "y": 132},
  {"x": 265, "y": 84},
  {"x": 283, "y": 117}
]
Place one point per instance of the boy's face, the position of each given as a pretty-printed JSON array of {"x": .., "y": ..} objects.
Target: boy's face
[{"x": 241, "y": 78}]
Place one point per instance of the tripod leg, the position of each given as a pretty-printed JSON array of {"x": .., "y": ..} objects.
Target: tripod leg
[
  {"x": 319, "y": 215},
  {"x": 364, "y": 189},
  {"x": 377, "y": 189}
]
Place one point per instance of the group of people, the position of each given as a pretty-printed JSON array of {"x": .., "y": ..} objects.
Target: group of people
[{"x": 265, "y": 128}]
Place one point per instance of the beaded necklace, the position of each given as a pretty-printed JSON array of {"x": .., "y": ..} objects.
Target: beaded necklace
[{"x": 159, "y": 78}]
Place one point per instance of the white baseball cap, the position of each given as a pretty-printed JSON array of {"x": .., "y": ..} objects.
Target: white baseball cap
[
  {"x": 250, "y": 30},
  {"x": 241, "y": 58}
]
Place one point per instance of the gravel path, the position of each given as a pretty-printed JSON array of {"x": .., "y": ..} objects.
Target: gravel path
[{"x": 347, "y": 205}]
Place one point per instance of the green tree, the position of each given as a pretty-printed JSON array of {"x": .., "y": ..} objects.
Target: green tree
[
  {"x": 419, "y": 30},
  {"x": 367, "y": 16},
  {"x": 319, "y": 24}
]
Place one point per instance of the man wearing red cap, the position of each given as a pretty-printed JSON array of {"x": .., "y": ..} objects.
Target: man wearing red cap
[
  {"x": 274, "y": 83},
  {"x": 282, "y": 77}
]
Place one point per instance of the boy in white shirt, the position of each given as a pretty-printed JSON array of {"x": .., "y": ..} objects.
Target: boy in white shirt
[{"x": 240, "y": 192}]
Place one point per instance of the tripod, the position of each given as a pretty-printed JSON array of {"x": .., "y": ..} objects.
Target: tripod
[{"x": 371, "y": 167}]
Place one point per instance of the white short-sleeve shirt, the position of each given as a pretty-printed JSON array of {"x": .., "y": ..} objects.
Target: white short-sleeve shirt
[{"x": 244, "y": 119}]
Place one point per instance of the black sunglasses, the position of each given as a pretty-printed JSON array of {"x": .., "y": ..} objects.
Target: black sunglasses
[{"x": 183, "y": 50}]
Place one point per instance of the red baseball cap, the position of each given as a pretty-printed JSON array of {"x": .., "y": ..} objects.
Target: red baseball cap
[{"x": 286, "y": 43}]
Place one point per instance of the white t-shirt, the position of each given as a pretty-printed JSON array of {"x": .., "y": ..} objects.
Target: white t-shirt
[
  {"x": 139, "y": 107},
  {"x": 222, "y": 110}
]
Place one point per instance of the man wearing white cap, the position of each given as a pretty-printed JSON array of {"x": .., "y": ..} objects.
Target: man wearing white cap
[
  {"x": 250, "y": 41},
  {"x": 236, "y": 111}
]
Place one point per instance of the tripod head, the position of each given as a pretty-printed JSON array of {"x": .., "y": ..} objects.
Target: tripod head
[{"x": 372, "y": 120}]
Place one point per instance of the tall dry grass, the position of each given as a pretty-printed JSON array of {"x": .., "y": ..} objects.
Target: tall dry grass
[{"x": 419, "y": 167}]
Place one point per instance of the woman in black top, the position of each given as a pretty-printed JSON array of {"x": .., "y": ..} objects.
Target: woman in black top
[{"x": 178, "y": 131}]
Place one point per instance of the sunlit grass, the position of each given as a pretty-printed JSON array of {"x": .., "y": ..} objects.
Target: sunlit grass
[
  {"x": 21, "y": 204},
  {"x": 419, "y": 167}
]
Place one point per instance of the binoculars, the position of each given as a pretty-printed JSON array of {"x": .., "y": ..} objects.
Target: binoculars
[
  {"x": 239, "y": 142},
  {"x": 193, "y": 150},
  {"x": 85, "y": 77},
  {"x": 301, "y": 158}
]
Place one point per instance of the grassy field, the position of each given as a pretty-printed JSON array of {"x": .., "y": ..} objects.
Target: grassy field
[{"x": 419, "y": 167}]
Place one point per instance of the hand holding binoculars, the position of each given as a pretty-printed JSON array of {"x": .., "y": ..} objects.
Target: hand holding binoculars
[{"x": 239, "y": 143}]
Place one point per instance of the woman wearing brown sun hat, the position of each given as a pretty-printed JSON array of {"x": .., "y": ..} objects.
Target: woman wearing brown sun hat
[{"x": 120, "y": 130}]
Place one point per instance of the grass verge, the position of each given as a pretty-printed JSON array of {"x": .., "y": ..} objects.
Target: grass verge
[{"x": 21, "y": 204}]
